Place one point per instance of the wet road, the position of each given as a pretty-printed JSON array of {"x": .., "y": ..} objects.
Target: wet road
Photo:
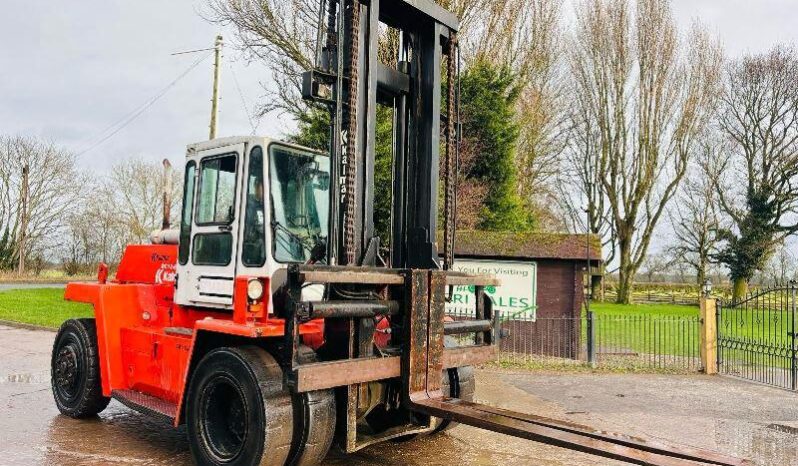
[
  {"x": 32, "y": 432},
  {"x": 736, "y": 417}
]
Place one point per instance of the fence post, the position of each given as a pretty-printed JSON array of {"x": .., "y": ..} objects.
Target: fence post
[
  {"x": 793, "y": 366},
  {"x": 591, "y": 339},
  {"x": 498, "y": 333},
  {"x": 709, "y": 335}
]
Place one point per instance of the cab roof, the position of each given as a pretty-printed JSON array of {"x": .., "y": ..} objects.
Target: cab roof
[{"x": 235, "y": 140}]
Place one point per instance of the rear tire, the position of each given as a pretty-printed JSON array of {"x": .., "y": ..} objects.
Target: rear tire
[
  {"x": 460, "y": 384},
  {"x": 314, "y": 421},
  {"x": 75, "y": 370},
  {"x": 238, "y": 412}
]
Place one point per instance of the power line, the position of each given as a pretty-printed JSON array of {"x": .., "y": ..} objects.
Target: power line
[
  {"x": 243, "y": 101},
  {"x": 192, "y": 51},
  {"x": 120, "y": 124}
]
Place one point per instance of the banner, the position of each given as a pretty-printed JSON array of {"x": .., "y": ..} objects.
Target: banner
[{"x": 516, "y": 298}]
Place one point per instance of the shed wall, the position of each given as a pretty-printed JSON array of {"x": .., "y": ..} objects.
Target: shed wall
[{"x": 559, "y": 298}]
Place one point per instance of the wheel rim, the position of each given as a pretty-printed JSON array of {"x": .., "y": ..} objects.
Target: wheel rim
[
  {"x": 224, "y": 419},
  {"x": 69, "y": 369}
]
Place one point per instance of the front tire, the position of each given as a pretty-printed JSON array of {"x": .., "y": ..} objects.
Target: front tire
[
  {"x": 239, "y": 413},
  {"x": 314, "y": 421},
  {"x": 75, "y": 370}
]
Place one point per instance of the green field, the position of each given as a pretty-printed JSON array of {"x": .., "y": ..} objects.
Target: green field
[
  {"x": 634, "y": 334},
  {"x": 752, "y": 334},
  {"x": 644, "y": 309},
  {"x": 43, "y": 307}
]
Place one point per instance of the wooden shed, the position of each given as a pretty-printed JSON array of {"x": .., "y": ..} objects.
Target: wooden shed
[{"x": 560, "y": 262}]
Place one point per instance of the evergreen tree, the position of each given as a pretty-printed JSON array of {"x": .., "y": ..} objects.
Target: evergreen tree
[
  {"x": 8, "y": 251},
  {"x": 488, "y": 96}
]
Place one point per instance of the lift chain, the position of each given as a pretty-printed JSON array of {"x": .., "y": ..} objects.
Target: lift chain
[
  {"x": 349, "y": 161},
  {"x": 332, "y": 38},
  {"x": 450, "y": 175}
]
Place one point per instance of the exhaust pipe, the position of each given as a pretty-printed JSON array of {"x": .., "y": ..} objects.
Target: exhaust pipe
[
  {"x": 166, "y": 235},
  {"x": 167, "y": 194}
]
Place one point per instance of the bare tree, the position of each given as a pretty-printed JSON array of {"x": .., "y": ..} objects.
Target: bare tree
[
  {"x": 650, "y": 96},
  {"x": 94, "y": 233},
  {"x": 282, "y": 34},
  {"x": 655, "y": 265},
  {"x": 779, "y": 269},
  {"x": 757, "y": 185},
  {"x": 694, "y": 216},
  {"x": 580, "y": 175},
  {"x": 135, "y": 189},
  {"x": 53, "y": 186},
  {"x": 129, "y": 209},
  {"x": 541, "y": 109}
]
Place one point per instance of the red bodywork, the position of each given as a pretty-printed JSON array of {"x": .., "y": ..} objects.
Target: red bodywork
[{"x": 147, "y": 342}]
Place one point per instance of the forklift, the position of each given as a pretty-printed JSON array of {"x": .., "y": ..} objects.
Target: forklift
[{"x": 275, "y": 321}]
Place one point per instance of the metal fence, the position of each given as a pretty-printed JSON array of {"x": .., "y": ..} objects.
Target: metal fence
[
  {"x": 657, "y": 297},
  {"x": 622, "y": 341},
  {"x": 644, "y": 341},
  {"x": 757, "y": 338}
]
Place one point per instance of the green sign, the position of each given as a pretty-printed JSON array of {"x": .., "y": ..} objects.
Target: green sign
[{"x": 516, "y": 298}]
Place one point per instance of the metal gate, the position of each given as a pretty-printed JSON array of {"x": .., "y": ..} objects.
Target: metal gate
[{"x": 756, "y": 337}]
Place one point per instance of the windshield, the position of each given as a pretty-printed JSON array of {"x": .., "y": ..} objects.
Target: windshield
[{"x": 299, "y": 184}]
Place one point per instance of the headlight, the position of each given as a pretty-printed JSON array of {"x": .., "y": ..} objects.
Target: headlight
[{"x": 255, "y": 290}]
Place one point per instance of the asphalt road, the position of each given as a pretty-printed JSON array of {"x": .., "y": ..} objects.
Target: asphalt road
[{"x": 735, "y": 417}]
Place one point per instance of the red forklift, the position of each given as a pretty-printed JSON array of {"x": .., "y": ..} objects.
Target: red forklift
[{"x": 275, "y": 321}]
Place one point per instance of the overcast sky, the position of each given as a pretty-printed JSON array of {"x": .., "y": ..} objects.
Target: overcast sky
[{"x": 70, "y": 69}]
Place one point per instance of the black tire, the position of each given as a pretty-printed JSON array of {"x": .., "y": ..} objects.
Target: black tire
[
  {"x": 461, "y": 384},
  {"x": 238, "y": 411},
  {"x": 75, "y": 370},
  {"x": 314, "y": 421},
  {"x": 455, "y": 383}
]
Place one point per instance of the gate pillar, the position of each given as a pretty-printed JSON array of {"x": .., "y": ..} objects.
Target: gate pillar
[{"x": 709, "y": 335}]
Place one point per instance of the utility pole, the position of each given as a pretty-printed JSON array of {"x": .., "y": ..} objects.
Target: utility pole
[
  {"x": 23, "y": 219},
  {"x": 217, "y": 66}
]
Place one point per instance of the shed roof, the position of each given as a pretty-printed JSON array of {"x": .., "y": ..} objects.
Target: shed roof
[{"x": 526, "y": 245}]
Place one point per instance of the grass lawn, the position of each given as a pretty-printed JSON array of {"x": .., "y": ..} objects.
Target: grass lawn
[
  {"x": 40, "y": 306},
  {"x": 644, "y": 309},
  {"x": 645, "y": 329}
]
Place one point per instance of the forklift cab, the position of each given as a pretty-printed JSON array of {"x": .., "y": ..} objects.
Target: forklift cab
[{"x": 251, "y": 206}]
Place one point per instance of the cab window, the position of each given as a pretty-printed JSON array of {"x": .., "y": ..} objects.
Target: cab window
[
  {"x": 217, "y": 190},
  {"x": 215, "y": 206},
  {"x": 299, "y": 183},
  {"x": 254, "y": 249},
  {"x": 188, "y": 210}
]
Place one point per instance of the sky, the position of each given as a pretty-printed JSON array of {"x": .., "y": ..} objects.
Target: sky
[{"x": 70, "y": 70}]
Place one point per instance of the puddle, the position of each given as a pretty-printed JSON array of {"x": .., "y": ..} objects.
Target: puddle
[{"x": 787, "y": 429}]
